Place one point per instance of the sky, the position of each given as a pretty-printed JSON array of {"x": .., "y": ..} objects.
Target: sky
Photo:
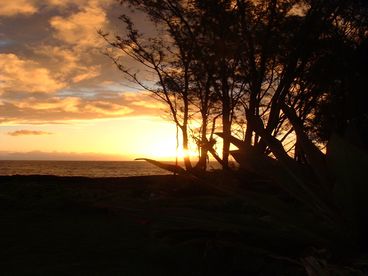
[{"x": 61, "y": 98}]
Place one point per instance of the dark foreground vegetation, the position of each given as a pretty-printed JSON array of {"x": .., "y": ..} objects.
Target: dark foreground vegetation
[
  {"x": 162, "y": 225},
  {"x": 284, "y": 82},
  {"x": 116, "y": 226}
]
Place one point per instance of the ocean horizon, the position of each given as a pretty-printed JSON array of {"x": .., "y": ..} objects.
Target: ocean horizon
[{"x": 81, "y": 168}]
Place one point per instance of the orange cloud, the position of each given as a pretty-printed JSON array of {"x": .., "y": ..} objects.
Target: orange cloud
[
  {"x": 80, "y": 3},
  {"x": 69, "y": 63},
  {"x": 15, "y": 7},
  {"x": 29, "y": 7},
  {"x": 107, "y": 108},
  {"x": 25, "y": 75},
  {"x": 92, "y": 72},
  {"x": 78, "y": 107},
  {"x": 81, "y": 27},
  {"x": 24, "y": 132},
  {"x": 143, "y": 99},
  {"x": 66, "y": 59},
  {"x": 61, "y": 110},
  {"x": 33, "y": 110},
  {"x": 68, "y": 104}
]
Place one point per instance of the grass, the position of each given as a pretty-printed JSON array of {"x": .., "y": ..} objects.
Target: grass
[{"x": 80, "y": 226}]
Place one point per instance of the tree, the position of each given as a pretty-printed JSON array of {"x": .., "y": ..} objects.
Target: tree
[
  {"x": 294, "y": 53},
  {"x": 275, "y": 65},
  {"x": 172, "y": 61}
]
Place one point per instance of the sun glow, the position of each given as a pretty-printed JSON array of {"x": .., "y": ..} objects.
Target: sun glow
[
  {"x": 122, "y": 139},
  {"x": 159, "y": 142},
  {"x": 163, "y": 152}
]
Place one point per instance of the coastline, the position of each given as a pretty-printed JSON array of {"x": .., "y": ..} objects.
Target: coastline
[
  {"x": 53, "y": 225},
  {"x": 89, "y": 168}
]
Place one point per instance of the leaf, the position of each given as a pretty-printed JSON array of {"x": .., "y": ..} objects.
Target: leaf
[
  {"x": 233, "y": 140},
  {"x": 291, "y": 177},
  {"x": 168, "y": 167},
  {"x": 315, "y": 267},
  {"x": 294, "y": 182},
  {"x": 316, "y": 159}
]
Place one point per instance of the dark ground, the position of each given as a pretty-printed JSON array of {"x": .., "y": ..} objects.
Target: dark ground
[{"x": 116, "y": 226}]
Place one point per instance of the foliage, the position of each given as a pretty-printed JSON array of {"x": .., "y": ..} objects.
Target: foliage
[
  {"x": 282, "y": 213},
  {"x": 292, "y": 74},
  {"x": 239, "y": 60}
]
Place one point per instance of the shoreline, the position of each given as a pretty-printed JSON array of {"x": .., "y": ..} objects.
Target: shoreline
[
  {"x": 142, "y": 225},
  {"x": 66, "y": 177},
  {"x": 68, "y": 180},
  {"x": 111, "y": 191}
]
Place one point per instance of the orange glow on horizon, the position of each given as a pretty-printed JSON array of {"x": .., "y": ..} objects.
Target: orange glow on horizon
[{"x": 110, "y": 139}]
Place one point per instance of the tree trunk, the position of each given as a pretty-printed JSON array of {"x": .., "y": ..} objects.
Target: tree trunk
[
  {"x": 226, "y": 129},
  {"x": 187, "y": 163},
  {"x": 203, "y": 145}
]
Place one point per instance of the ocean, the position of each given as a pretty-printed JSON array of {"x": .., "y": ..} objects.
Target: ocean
[{"x": 80, "y": 168}]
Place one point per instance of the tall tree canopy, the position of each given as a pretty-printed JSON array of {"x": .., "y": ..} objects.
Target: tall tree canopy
[{"x": 286, "y": 73}]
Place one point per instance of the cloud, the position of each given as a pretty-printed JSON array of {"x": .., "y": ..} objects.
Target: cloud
[
  {"x": 29, "y": 7},
  {"x": 79, "y": 3},
  {"x": 100, "y": 104},
  {"x": 61, "y": 110},
  {"x": 87, "y": 73},
  {"x": 24, "y": 132},
  {"x": 63, "y": 3},
  {"x": 5, "y": 42},
  {"x": 143, "y": 99},
  {"x": 16, "y": 7},
  {"x": 107, "y": 108},
  {"x": 68, "y": 104},
  {"x": 68, "y": 63},
  {"x": 77, "y": 108},
  {"x": 81, "y": 27},
  {"x": 65, "y": 59},
  {"x": 24, "y": 75}
]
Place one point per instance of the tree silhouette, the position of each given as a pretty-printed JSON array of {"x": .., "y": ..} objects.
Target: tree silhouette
[
  {"x": 277, "y": 66},
  {"x": 168, "y": 59},
  {"x": 292, "y": 73}
]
